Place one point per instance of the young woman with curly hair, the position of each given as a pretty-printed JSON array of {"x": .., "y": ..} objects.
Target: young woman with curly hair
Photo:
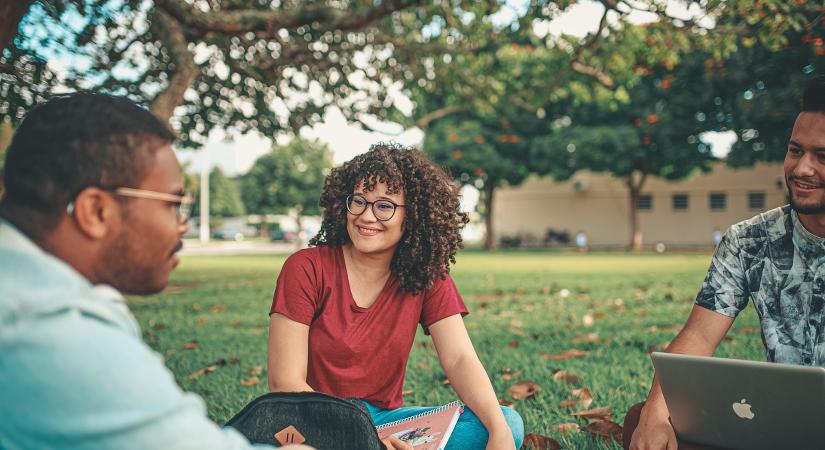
[{"x": 345, "y": 311}]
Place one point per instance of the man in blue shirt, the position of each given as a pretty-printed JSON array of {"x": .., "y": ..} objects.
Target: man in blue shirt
[
  {"x": 94, "y": 205},
  {"x": 774, "y": 259}
]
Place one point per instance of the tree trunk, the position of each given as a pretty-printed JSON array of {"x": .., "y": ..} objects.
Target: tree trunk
[
  {"x": 186, "y": 71},
  {"x": 299, "y": 241},
  {"x": 11, "y": 12},
  {"x": 489, "y": 237},
  {"x": 634, "y": 188}
]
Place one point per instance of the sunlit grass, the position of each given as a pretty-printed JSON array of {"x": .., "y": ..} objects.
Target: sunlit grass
[{"x": 523, "y": 305}]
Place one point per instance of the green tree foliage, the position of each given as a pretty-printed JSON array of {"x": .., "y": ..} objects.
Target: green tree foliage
[
  {"x": 224, "y": 194},
  {"x": 289, "y": 178},
  {"x": 485, "y": 153},
  {"x": 244, "y": 64},
  {"x": 627, "y": 97}
]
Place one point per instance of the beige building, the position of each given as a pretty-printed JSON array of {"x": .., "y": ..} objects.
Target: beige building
[{"x": 679, "y": 214}]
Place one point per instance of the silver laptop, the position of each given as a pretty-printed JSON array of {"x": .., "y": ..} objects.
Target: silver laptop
[{"x": 743, "y": 405}]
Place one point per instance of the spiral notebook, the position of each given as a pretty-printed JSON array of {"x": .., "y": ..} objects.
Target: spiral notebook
[{"x": 426, "y": 431}]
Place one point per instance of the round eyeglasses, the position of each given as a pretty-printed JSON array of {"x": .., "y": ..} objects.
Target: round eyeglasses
[{"x": 383, "y": 210}]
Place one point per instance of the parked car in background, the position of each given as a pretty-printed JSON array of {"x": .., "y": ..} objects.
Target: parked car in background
[
  {"x": 228, "y": 234},
  {"x": 279, "y": 235}
]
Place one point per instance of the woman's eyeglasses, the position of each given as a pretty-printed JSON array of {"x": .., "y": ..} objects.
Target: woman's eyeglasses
[{"x": 383, "y": 210}]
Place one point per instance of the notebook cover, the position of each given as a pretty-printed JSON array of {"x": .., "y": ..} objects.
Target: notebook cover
[{"x": 426, "y": 431}]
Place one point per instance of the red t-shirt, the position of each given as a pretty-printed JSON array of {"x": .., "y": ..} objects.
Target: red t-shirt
[{"x": 354, "y": 351}]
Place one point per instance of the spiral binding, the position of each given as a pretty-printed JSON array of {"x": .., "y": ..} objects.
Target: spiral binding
[{"x": 420, "y": 415}]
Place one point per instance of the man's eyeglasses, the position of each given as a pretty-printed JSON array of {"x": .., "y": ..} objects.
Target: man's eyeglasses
[
  {"x": 383, "y": 210},
  {"x": 183, "y": 203}
]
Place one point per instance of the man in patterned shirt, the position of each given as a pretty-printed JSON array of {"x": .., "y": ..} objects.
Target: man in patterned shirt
[{"x": 777, "y": 259}]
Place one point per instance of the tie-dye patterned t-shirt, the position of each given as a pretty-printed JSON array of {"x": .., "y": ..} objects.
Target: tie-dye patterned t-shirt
[{"x": 774, "y": 260}]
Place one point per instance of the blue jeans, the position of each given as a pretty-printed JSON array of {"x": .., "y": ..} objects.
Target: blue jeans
[{"x": 469, "y": 432}]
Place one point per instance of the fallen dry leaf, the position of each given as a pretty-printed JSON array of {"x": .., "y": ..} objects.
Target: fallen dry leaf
[
  {"x": 588, "y": 320},
  {"x": 566, "y": 377},
  {"x": 508, "y": 375},
  {"x": 256, "y": 330},
  {"x": 523, "y": 390},
  {"x": 584, "y": 394},
  {"x": 565, "y": 427},
  {"x": 190, "y": 345},
  {"x": 210, "y": 368},
  {"x": 251, "y": 381},
  {"x": 569, "y": 403},
  {"x": 602, "y": 413},
  {"x": 516, "y": 323},
  {"x": 407, "y": 392},
  {"x": 201, "y": 372},
  {"x": 604, "y": 429},
  {"x": 256, "y": 370},
  {"x": 423, "y": 365},
  {"x": 749, "y": 330},
  {"x": 589, "y": 337},
  {"x": 217, "y": 308},
  {"x": 504, "y": 402},
  {"x": 446, "y": 382},
  {"x": 539, "y": 442},
  {"x": 572, "y": 353},
  {"x": 513, "y": 343}
]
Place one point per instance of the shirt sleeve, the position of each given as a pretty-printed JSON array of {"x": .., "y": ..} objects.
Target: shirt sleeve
[
  {"x": 441, "y": 301},
  {"x": 296, "y": 293},
  {"x": 78, "y": 383},
  {"x": 725, "y": 289}
]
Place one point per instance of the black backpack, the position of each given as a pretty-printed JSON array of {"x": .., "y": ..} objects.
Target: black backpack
[{"x": 312, "y": 418}]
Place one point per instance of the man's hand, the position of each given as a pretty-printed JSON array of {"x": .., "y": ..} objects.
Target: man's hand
[
  {"x": 393, "y": 443},
  {"x": 654, "y": 432}
]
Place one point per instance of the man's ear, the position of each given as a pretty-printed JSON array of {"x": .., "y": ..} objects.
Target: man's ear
[{"x": 96, "y": 213}]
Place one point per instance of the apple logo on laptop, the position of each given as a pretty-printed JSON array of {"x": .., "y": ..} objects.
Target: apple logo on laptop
[{"x": 743, "y": 410}]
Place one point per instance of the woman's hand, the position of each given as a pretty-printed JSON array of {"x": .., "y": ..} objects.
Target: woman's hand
[
  {"x": 502, "y": 440},
  {"x": 393, "y": 443}
]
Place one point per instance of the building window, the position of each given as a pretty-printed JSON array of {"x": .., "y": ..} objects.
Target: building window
[
  {"x": 756, "y": 200},
  {"x": 645, "y": 202},
  {"x": 680, "y": 202},
  {"x": 718, "y": 201}
]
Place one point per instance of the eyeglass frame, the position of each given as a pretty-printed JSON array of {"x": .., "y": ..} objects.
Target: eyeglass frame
[
  {"x": 183, "y": 203},
  {"x": 371, "y": 205}
]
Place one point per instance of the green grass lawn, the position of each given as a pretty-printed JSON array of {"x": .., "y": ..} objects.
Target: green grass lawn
[{"x": 523, "y": 307}]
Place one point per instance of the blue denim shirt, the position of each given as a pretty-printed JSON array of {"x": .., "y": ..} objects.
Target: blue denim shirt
[{"x": 74, "y": 372}]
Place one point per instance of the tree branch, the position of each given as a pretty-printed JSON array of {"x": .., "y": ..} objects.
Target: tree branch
[
  {"x": 241, "y": 21},
  {"x": 603, "y": 78},
  {"x": 184, "y": 71},
  {"x": 437, "y": 114},
  {"x": 11, "y": 12}
]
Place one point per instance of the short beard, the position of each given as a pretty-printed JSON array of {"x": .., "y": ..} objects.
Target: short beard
[
  {"x": 817, "y": 208},
  {"x": 122, "y": 264}
]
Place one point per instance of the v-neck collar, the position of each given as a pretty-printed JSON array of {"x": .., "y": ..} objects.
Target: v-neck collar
[{"x": 383, "y": 293}]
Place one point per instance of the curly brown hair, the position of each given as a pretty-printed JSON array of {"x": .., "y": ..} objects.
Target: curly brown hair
[{"x": 433, "y": 222}]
